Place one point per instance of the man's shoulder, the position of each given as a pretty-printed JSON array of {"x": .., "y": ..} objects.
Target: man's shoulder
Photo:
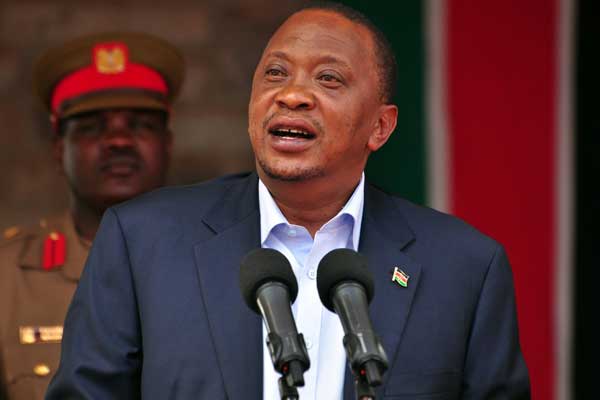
[
  {"x": 191, "y": 203},
  {"x": 14, "y": 237},
  {"x": 13, "y": 241},
  {"x": 17, "y": 241},
  {"x": 12, "y": 234},
  {"x": 437, "y": 227},
  {"x": 196, "y": 195}
]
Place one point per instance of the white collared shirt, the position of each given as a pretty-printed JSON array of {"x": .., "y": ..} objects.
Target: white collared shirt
[{"x": 321, "y": 328}]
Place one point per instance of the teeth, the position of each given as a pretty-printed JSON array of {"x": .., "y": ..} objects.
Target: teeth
[{"x": 291, "y": 132}]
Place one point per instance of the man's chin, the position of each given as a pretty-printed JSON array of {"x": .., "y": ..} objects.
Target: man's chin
[
  {"x": 120, "y": 194},
  {"x": 290, "y": 174}
]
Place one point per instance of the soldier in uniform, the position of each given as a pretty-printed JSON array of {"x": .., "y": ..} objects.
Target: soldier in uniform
[{"x": 109, "y": 98}]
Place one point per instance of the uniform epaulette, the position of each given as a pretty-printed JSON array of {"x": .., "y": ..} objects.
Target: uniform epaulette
[
  {"x": 45, "y": 246},
  {"x": 18, "y": 233}
]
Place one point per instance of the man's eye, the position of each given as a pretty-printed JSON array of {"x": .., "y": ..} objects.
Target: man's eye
[
  {"x": 330, "y": 78},
  {"x": 145, "y": 124},
  {"x": 275, "y": 73},
  {"x": 87, "y": 128}
]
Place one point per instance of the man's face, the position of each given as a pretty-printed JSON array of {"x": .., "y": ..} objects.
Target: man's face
[
  {"x": 113, "y": 155},
  {"x": 315, "y": 109}
]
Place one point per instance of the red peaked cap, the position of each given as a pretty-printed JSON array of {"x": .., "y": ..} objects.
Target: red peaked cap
[{"x": 109, "y": 70}]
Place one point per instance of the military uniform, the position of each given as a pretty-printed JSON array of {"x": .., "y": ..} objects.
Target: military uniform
[
  {"x": 39, "y": 270},
  {"x": 40, "y": 266}
]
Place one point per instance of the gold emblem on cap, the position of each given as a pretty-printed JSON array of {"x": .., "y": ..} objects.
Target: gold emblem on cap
[
  {"x": 40, "y": 334},
  {"x": 110, "y": 60},
  {"x": 41, "y": 369}
]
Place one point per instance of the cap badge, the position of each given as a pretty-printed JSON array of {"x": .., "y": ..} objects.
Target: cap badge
[
  {"x": 110, "y": 58},
  {"x": 400, "y": 277}
]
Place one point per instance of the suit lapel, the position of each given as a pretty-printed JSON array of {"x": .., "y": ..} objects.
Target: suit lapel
[
  {"x": 385, "y": 233},
  {"x": 236, "y": 331}
]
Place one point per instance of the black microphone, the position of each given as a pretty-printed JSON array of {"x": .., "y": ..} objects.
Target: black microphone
[
  {"x": 345, "y": 287},
  {"x": 269, "y": 287}
]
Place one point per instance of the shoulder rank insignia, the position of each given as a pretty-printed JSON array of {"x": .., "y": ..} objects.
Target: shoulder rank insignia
[
  {"x": 11, "y": 232},
  {"x": 54, "y": 252}
]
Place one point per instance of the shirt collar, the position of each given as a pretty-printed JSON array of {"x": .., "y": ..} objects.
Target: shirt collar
[{"x": 271, "y": 216}]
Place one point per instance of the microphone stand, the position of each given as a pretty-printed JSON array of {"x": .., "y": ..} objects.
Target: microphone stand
[
  {"x": 269, "y": 287},
  {"x": 286, "y": 391},
  {"x": 368, "y": 362},
  {"x": 364, "y": 390},
  {"x": 290, "y": 359},
  {"x": 346, "y": 287}
]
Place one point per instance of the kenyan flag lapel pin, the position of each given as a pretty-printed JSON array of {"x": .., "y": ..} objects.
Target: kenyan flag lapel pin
[{"x": 400, "y": 277}]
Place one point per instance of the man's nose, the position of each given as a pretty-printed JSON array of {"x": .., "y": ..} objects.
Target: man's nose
[
  {"x": 295, "y": 96},
  {"x": 118, "y": 131}
]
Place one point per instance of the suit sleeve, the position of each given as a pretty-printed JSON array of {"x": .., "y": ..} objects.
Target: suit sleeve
[
  {"x": 101, "y": 348},
  {"x": 494, "y": 366}
]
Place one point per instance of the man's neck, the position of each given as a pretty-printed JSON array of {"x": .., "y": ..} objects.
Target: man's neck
[
  {"x": 86, "y": 219},
  {"x": 309, "y": 203}
]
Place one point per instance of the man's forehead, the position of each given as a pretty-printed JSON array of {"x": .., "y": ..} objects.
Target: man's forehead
[
  {"x": 321, "y": 56},
  {"x": 327, "y": 28},
  {"x": 335, "y": 26}
]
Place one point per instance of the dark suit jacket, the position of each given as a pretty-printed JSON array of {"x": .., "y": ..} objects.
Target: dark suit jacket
[{"x": 158, "y": 313}]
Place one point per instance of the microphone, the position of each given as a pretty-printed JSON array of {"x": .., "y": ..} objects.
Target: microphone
[
  {"x": 269, "y": 287},
  {"x": 345, "y": 287}
]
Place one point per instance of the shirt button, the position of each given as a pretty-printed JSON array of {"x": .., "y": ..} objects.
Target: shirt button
[
  {"x": 308, "y": 343},
  {"x": 312, "y": 273},
  {"x": 291, "y": 232}
]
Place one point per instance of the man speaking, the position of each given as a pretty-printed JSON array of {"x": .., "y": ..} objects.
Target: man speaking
[{"x": 158, "y": 313}]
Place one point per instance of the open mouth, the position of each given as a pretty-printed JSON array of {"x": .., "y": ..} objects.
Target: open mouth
[{"x": 292, "y": 133}]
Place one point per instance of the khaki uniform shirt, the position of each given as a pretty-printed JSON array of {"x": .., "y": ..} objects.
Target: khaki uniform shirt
[{"x": 33, "y": 305}]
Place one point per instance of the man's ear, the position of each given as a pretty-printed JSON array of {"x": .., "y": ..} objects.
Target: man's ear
[{"x": 384, "y": 126}]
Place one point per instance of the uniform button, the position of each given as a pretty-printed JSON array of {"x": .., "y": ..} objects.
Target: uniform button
[
  {"x": 292, "y": 233},
  {"x": 312, "y": 273},
  {"x": 308, "y": 343},
  {"x": 41, "y": 370}
]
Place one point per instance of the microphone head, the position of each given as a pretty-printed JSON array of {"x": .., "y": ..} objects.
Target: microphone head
[
  {"x": 342, "y": 265},
  {"x": 260, "y": 266}
]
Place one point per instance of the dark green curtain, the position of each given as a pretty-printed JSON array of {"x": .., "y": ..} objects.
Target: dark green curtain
[{"x": 399, "y": 167}]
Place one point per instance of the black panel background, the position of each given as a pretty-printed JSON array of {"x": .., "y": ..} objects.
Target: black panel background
[{"x": 587, "y": 239}]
